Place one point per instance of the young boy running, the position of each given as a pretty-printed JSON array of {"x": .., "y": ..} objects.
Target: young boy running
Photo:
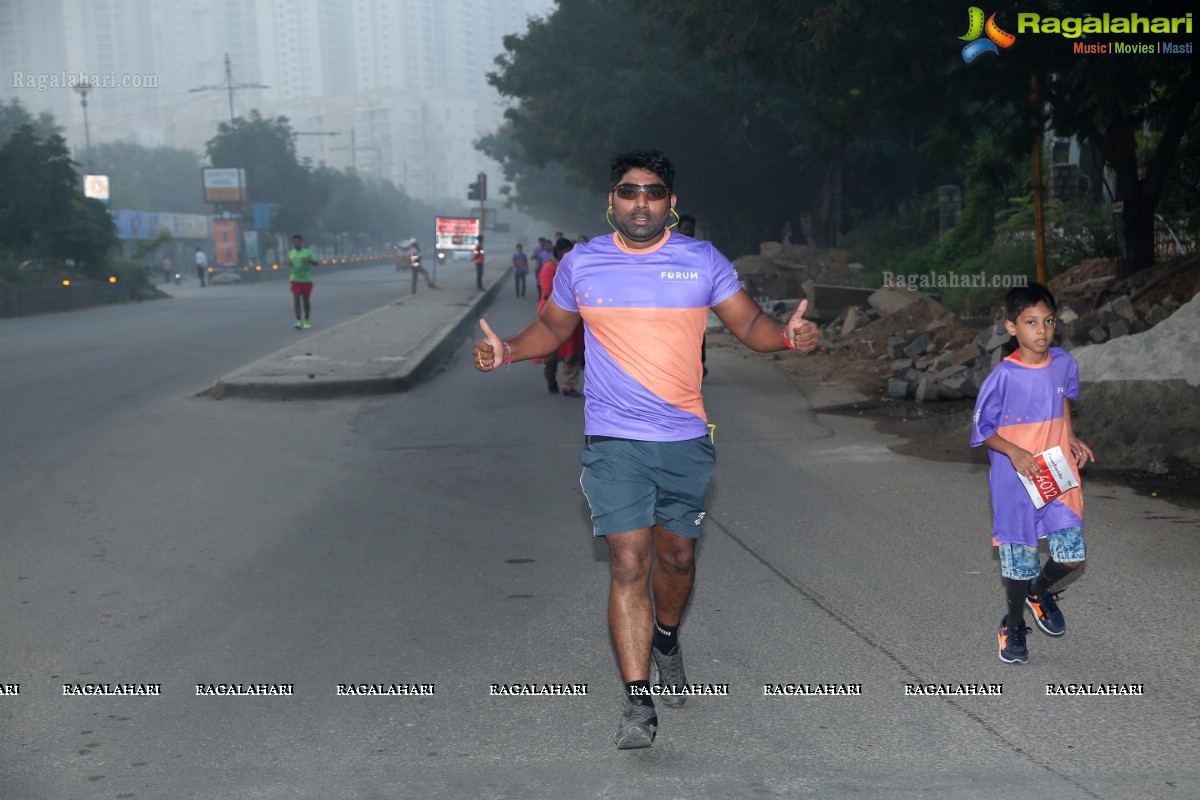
[{"x": 1023, "y": 409}]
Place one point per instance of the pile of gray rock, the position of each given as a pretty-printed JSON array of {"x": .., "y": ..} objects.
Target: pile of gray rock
[
  {"x": 926, "y": 376},
  {"x": 934, "y": 355},
  {"x": 1079, "y": 324}
]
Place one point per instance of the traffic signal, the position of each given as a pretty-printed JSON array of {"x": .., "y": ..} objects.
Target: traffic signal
[{"x": 478, "y": 190}]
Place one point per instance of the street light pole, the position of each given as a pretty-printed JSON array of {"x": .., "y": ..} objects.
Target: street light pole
[
  {"x": 83, "y": 88},
  {"x": 353, "y": 150}
]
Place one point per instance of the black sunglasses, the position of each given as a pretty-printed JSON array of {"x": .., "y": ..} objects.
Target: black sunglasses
[{"x": 630, "y": 191}]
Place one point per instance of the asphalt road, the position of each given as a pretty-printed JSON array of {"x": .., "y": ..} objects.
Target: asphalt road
[{"x": 439, "y": 537}]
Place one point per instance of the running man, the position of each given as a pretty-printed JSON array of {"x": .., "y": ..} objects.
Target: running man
[
  {"x": 302, "y": 260},
  {"x": 644, "y": 295}
]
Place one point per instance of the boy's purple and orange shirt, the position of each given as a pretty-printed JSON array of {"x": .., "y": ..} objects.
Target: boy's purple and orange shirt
[
  {"x": 644, "y": 314},
  {"x": 1024, "y": 404}
]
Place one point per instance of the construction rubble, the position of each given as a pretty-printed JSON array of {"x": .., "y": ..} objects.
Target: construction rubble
[{"x": 1137, "y": 341}]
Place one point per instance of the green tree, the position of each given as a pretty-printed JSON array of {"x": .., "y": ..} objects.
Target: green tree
[
  {"x": 43, "y": 213},
  {"x": 266, "y": 150},
  {"x": 752, "y": 152},
  {"x": 151, "y": 178},
  {"x": 347, "y": 203},
  {"x": 37, "y": 181},
  {"x": 542, "y": 192},
  {"x": 14, "y": 115},
  {"x": 86, "y": 236},
  {"x": 901, "y": 57}
]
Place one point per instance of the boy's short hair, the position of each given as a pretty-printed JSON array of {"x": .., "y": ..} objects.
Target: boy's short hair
[{"x": 1022, "y": 297}]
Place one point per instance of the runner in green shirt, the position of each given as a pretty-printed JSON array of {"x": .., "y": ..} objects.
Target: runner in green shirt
[{"x": 301, "y": 259}]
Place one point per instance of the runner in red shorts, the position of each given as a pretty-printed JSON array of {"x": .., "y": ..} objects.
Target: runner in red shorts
[{"x": 302, "y": 260}]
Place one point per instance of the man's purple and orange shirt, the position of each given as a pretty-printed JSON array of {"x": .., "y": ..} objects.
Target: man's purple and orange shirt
[{"x": 644, "y": 314}]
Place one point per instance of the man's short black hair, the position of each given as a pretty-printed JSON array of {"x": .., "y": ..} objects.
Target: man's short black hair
[
  {"x": 687, "y": 218},
  {"x": 650, "y": 160},
  {"x": 297, "y": 236},
  {"x": 1022, "y": 297}
]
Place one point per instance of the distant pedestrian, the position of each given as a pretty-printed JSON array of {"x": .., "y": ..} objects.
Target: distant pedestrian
[
  {"x": 477, "y": 257},
  {"x": 535, "y": 259},
  {"x": 414, "y": 263},
  {"x": 1024, "y": 409},
  {"x": 201, "y": 266},
  {"x": 168, "y": 269},
  {"x": 545, "y": 253},
  {"x": 549, "y": 362},
  {"x": 570, "y": 352},
  {"x": 302, "y": 260},
  {"x": 520, "y": 264}
]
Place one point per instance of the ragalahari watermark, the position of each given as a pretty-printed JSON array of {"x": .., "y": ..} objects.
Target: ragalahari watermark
[
  {"x": 43, "y": 81},
  {"x": 952, "y": 280}
]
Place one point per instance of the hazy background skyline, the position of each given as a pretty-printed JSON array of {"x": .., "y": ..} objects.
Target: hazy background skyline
[{"x": 400, "y": 82}]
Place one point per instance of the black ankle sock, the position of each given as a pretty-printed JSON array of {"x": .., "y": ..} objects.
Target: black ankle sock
[
  {"x": 666, "y": 638},
  {"x": 642, "y": 695},
  {"x": 1052, "y": 572},
  {"x": 1015, "y": 591}
]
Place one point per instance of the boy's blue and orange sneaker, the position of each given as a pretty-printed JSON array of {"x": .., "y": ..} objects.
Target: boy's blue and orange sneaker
[
  {"x": 1012, "y": 642},
  {"x": 1046, "y": 612}
]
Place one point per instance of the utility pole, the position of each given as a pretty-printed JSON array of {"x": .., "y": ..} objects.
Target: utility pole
[
  {"x": 229, "y": 86},
  {"x": 83, "y": 89},
  {"x": 353, "y": 150},
  {"x": 378, "y": 159},
  {"x": 1039, "y": 214},
  {"x": 317, "y": 133}
]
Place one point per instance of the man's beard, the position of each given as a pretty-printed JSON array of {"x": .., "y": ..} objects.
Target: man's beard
[{"x": 651, "y": 230}]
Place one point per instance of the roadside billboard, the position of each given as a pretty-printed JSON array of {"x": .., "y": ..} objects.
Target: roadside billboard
[
  {"x": 96, "y": 187},
  {"x": 223, "y": 184},
  {"x": 456, "y": 233},
  {"x": 225, "y": 238}
]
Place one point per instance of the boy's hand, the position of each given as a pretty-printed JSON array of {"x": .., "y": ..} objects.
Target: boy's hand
[
  {"x": 1024, "y": 462},
  {"x": 1080, "y": 452}
]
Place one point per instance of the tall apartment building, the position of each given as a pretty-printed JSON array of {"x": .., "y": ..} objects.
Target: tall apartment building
[{"x": 405, "y": 76}]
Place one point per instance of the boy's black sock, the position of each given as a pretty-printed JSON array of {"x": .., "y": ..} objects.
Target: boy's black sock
[
  {"x": 640, "y": 697},
  {"x": 1052, "y": 572},
  {"x": 666, "y": 638},
  {"x": 1015, "y": 591}
]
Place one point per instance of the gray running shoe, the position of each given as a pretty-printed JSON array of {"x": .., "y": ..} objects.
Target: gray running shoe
[
  {"x": 670, "y": 675},
  {"x": 638, "y": 726}
]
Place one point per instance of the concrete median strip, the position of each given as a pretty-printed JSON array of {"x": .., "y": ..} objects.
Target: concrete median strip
[{"x": 390, "y": 349}]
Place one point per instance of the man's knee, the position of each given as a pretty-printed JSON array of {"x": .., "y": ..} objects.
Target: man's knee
[
  {"x": 629, "y": 560},
  {"x": 675, "y": 553}
]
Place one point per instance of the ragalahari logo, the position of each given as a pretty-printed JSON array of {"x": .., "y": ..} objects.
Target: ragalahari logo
[{"x": 996, "y": 38}]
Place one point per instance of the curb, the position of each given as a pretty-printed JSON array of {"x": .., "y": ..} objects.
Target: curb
[{"x": 432, "y": 358}]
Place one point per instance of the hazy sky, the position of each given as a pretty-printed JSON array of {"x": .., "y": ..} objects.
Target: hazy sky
[{"x": 400, "y": 81}]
